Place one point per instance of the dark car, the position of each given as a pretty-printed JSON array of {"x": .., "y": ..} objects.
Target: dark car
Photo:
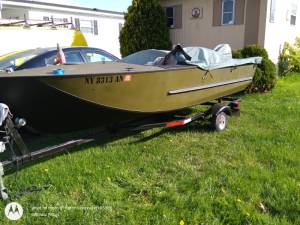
[{"x": 45, "y": 56}]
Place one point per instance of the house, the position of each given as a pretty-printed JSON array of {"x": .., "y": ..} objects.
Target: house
[
  {"x": 100, "y": 27},
  {"x": 268, "y": 23}
]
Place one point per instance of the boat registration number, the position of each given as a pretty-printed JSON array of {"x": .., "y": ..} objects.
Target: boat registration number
[{"x": 107, "y": 79}]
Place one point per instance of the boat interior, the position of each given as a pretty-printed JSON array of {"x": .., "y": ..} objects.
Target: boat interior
[
  {"x": 150, "y": 60},
  {"x": 204, "y": 58}
]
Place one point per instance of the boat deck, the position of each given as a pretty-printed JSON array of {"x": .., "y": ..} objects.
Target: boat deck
[{"x": 98, "y": 68}]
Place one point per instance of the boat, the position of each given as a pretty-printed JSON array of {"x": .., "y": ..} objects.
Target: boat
[{"x": 65, "y": 98}]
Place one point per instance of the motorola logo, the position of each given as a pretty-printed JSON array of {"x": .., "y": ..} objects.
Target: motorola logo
[{"x": 13, "y": 211}]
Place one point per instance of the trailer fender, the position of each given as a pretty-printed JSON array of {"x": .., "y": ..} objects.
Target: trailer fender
[{"x": 218, "y": 108}]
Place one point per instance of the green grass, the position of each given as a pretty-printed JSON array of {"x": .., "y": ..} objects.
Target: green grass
[{"x": 190, "y": 174}]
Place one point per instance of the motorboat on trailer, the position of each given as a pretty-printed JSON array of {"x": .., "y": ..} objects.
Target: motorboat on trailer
[
  {"x": 151, "y": 82},
  {"x": 66, "y": 98}
]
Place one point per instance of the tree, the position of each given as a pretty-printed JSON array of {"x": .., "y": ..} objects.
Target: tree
[{"x": 145, "y": 28}]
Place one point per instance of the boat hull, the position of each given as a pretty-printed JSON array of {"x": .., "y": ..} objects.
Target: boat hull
[
  {"x": 48, "y": 110},
  {"x": 158, "y": 91},
  {"x": 73, "y": 102}
]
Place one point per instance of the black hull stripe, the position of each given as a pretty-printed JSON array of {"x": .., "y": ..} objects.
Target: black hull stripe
[{"x": 203, "y": 87}]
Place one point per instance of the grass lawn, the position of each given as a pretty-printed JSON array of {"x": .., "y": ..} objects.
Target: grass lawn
[{"x": 248, "y": 174}]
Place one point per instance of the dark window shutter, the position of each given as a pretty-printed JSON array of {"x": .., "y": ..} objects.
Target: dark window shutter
[
  {"x": 95, "y": 27},
  {"x": 239, "y": 12},
  {"x": 77, "y": 23},
  {"x": 217, "y": 12},
  {"x": 178, "y": 16}
]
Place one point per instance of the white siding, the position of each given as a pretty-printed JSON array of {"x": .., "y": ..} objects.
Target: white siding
[
  {"x": 281, "y": 30},
  {"x": 15, "y": 39},
  {"x": 108, "y": 27}
]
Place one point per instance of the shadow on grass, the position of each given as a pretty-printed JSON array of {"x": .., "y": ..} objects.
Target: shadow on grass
[
  {"x": 196, "y": 127},
  {"x": 102, "y": 137}
]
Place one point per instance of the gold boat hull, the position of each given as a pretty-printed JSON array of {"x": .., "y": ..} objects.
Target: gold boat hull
[{"x": 93, "y": 95}]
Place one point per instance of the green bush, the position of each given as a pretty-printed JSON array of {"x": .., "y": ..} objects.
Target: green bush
[
  {"x": 237, "y": 54},
  {"x": 289, "y": 59},
  {"x": 265, "y": 77},
  {"x": 145, "y": 27},
  {"x": 254, "y": 50},
  {"x": 265, "y": 74}
]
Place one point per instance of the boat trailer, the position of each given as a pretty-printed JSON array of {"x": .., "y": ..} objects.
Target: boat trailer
[{"x": 11, "y": 140}]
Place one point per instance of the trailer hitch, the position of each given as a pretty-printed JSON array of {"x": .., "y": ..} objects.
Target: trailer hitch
[
  {"x": 21, "y": 155},
  {"x": 11, "y": 137}
]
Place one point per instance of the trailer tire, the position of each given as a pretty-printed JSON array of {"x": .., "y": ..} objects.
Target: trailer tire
[{"x": 219, "y": 121}]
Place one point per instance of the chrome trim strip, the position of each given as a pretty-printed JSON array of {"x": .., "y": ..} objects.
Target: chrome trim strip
[{"x": 202, "y": 87}]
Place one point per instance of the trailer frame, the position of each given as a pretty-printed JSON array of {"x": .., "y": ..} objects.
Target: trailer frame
[{"x": 20, "y": 154}]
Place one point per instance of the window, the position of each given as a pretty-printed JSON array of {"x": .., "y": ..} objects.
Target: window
[
  {"x": 87, "y": 26},
  {"x": 273, "y": 11},
  {"x": 77, "y": 23},
  {"x": 95, "y": 27},
  {"x": 293, "y": 18},
  {"x": 170, "y": 16},
  {"x": 71, "y": 57},
  {"x": 61, "y": 21},
  {"x": 96, "y": 57},
  {"x": 174, "y": 16},
  {"x": 228, "y": 10},
  {"x": 15, "y": 60},
  {"x": 46, "y": 18}
]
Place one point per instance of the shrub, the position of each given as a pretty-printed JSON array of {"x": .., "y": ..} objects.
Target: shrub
[
  {"x": 237, "y": 54},
  {"x": 254, "y": 50},
  {"x": 145, "y": 27},
  {"x": 265, "y": 77},
  {"x": 289, "y": 59},
  {"x": 265, "y": 74}
]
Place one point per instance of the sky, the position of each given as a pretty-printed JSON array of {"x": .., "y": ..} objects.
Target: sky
[{"x": 114, "y": 5}]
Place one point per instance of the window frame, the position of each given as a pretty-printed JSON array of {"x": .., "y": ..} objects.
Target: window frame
[
  {"x": 173, "y": 17},
  {"x": 233, "y": 12},
  {"x": 293, "y": 15},
  {"x": 78, "y": 52},
  {"x": 84, "y": 53},
  {"x": 93, "y": 28},
  {"x": 53, "y": 55},
  {"x": 273, "y": 5},
  {"x": 293, "y": 20}
]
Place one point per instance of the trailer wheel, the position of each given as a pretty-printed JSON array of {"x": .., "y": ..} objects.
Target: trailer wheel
[{"x": 219, "y": 121}]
